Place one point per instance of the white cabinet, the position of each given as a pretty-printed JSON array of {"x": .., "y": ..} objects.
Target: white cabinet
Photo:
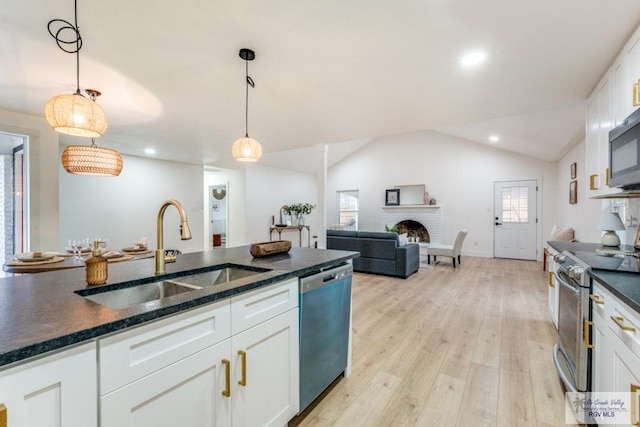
[
  {"x": 599, "y": 123},
  {"x": 616, "y": 340},
  {"x": 232, "y": 363},
  {"x": 55, "y": 390}
]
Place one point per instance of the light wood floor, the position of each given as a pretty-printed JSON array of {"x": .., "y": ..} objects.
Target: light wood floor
[{"x": 464, "y": 347}]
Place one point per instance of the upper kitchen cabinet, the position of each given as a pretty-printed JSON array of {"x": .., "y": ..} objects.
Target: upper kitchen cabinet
[
  {"x": 609, "y": 104},
  {"x": 599, "y": 123}
]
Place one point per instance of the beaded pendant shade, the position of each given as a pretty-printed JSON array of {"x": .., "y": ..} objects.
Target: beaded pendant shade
[
  {"x": 247, "y": 149},
  {"x": 91, "y": 160},
  {"x": 73, "y": 114}
]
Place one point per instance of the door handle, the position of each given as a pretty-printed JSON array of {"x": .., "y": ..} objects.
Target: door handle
[{"x": 498, "y": 223}]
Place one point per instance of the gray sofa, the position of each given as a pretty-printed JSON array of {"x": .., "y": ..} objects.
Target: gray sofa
[{"x": 380, "y": 252}]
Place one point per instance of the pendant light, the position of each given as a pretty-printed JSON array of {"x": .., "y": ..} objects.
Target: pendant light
[
  {"x": 74, "y": 114},
  {"x": 91, "y": 160},
  {"x": 247, "y": 149}
]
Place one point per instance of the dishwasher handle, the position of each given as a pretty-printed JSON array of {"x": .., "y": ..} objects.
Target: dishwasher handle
[{"x": 325, "y": 278}]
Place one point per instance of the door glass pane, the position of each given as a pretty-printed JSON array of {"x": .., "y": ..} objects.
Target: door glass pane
[{"x": 515, "y": 204}]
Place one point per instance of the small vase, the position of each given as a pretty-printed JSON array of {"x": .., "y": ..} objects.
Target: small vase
[{"x": 300, "y": 219}]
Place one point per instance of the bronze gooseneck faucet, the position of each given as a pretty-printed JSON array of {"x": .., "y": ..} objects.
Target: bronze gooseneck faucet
[{"x": 185, "y": 233}]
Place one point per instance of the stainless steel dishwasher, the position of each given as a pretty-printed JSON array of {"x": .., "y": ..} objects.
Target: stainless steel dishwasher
[{"x": 325, "y": 316}]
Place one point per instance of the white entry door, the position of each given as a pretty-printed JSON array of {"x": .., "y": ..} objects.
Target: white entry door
[{"x": 515, "y": 221}]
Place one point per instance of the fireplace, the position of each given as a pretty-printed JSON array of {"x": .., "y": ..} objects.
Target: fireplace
[
  {"x": 415, "y": 230},
  {"x": 428, "y": 217}
]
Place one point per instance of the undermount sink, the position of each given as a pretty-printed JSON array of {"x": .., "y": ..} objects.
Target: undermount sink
[
  {"x": 157, "y": 291},
  {"x": 121, "y": 298}
]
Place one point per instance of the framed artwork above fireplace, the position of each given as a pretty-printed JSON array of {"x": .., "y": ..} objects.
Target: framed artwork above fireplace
[{"x": 392, "y": 197}]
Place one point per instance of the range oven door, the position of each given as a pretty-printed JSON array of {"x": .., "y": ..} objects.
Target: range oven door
[{"x": 571, "y": 355}]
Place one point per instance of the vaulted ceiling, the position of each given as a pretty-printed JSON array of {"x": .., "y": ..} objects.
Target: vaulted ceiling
[{"x": 325, "y": 71}]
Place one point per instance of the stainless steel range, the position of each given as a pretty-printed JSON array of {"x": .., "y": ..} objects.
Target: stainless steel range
[{"x": 572, "y": 353}]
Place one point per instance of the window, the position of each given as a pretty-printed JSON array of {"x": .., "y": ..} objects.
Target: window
[
  {"x": 348, "y": 206},
  {"x": 515, "y": 204}
]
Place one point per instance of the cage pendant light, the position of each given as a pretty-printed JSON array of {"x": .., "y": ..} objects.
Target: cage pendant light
[
  {"x": 74, "y": 114},
  {"x": 247, "y": 149},
  {"x": 91, "y": 160}
]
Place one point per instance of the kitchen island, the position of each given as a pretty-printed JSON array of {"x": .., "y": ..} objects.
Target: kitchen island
[
  {"x": 43, "y": 312},
  {"x": 66, "y": 359}
]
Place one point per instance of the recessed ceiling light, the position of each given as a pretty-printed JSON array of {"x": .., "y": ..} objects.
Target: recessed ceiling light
[
  {"x": 473, "y": 59},
  {"x": 494, "y": 138},
  {"x": 150, "y": 150}
]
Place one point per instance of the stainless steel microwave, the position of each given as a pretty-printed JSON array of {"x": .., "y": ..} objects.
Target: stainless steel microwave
[{"x": 624, "y": 153}]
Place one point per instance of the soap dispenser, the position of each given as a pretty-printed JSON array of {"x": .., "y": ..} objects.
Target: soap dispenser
[{"x": 96, "y": 266}]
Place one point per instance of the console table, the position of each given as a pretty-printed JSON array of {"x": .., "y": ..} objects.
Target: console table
[{"x": 291, "y": 227}]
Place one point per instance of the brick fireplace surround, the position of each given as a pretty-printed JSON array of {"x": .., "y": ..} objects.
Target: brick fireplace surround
[{"x": 429, "y": 216}]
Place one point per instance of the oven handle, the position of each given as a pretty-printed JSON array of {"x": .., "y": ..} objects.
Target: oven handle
[
  {"x": 566, "y": 284},
  {"x": 567, "y": 383}
]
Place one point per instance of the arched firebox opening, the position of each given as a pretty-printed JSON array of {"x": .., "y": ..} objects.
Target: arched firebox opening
[{"x": 414, "y": 230}]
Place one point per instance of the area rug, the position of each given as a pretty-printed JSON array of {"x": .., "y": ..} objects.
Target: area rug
[{"x": 425, "y": 264}]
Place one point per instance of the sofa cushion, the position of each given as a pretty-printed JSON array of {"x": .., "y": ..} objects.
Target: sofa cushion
[
  {"x": 342, "y": 233},
  {"x": 377, "y": 248},
  {"x": 378, "y": 235}
]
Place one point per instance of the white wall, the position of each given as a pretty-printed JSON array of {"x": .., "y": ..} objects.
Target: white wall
[
  {"x": 458, "y": 173},
  {"x": 125, "y": 208},
  {"x": 582, "y": 216},
  {"x": 267, "y": 189},
  {"x": 43, "y": 176}
]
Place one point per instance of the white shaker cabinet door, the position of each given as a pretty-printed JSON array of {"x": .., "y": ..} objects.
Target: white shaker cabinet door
[
  {"x": 186, "y": 393},
  {"x": 58, "y": 390},
  {"x": 269, "y": 393}
]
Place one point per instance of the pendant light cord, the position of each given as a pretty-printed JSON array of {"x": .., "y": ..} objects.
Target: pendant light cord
[
  {"x": 249, "y": 82},
  {"x": 57, "y": 28}
]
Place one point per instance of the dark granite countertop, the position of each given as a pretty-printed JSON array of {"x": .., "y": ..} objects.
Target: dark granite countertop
[
  {"x": 625, "y": 286},
  {"x": 42, "y": 312}
]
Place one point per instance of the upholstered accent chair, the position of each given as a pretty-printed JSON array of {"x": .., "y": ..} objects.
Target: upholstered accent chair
[{"x": 434, "y": 250}]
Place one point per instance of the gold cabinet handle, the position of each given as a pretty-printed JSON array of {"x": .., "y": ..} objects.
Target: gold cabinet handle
[
  {"x": 636, "y": 94},
  {"x": 592, "y": 182},
  {"x": 596, "y": 299},
  {"x": 619, "y": 320},
  {"x": 551, "y": 285},
  {"x": 587, "y": 334},
  {"x": 3, "y": 415},
  {"x": 606, "y": 177},
  {"x": 227, "y": 382},
  {"x": 243, "y": 380},
  {"x": 634, "y": 404}
]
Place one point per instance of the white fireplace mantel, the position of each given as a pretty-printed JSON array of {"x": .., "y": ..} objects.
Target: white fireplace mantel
[{"x": 428, "y": 215}]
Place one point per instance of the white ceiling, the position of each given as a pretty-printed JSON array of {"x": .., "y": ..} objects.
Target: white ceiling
[{"x": 325, "y": 71}]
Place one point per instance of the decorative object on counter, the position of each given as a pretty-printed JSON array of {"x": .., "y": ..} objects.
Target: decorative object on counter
[
  {"x": 247, "y": 149},
  {"x": 96, "y": 266},
  {"x": 573, "y": 192},
  {"x": 285, "y": 216},
  {"x": 574, "y": 170},
  {"x": 30, "y": 258},
  {"x": 185, "y": 232},
  {"x": 392, "y": 197},
  {"x": 73, "y": 114},
  {"x": 610, "y": 222},
  {"x": 301, "y": 209},
  {"x": 262, "y": 249},
  {"x": 91, "y": 160}
]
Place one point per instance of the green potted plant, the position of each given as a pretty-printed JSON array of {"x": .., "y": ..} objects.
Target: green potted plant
[{"x": 301, "y": 209}]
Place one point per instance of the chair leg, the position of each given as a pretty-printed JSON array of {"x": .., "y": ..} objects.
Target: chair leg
[
  {"x": 459, "y": 262},
  {"x": 428, "y": 259},
  {"x": 454, "y": 262}
]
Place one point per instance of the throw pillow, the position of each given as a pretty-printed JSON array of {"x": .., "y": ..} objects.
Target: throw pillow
[
  {"x": 562, "y": 234},
  {"x": 403, "y": 239}
]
